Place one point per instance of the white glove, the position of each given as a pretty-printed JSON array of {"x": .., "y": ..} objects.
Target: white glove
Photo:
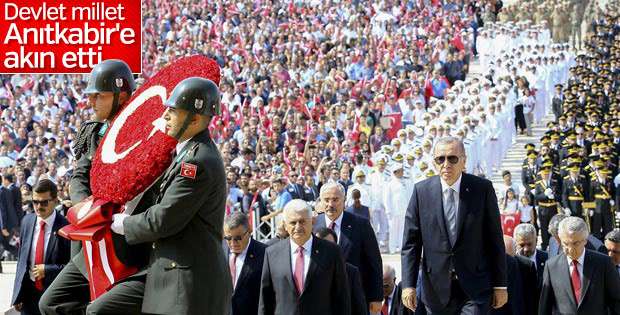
[
  {"x": 533, "y": 191},
  {"x": 548, "y": 191},
  {"x": 617, "y": 215},
  {"x": 117, "y": 223},
  {"x": 612, "y": 203},
  {"x": 591, "y": 213},
  {"x": 567, "y": 211}
]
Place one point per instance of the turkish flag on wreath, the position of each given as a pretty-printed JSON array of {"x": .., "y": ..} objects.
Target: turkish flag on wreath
[{"x": 134, "y": 152}]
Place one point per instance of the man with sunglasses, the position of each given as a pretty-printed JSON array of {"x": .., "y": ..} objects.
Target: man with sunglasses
[
  {"x": 43, "y": 253},
  {"x": 245, "y": 261},
  {"x": 451, "y": 217}
]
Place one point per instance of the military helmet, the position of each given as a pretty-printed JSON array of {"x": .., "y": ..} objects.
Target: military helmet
[
  {"x": 111, "y": 75},
  {"x": 196, "y": 95}
]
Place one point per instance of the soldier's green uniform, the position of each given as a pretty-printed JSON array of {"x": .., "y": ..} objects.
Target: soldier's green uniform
[{"x": 188, "y": 273}]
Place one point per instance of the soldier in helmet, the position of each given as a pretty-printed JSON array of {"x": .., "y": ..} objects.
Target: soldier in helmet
[
  {"x": 188, "y": 272},
  {"x": 109, "y": 88}
]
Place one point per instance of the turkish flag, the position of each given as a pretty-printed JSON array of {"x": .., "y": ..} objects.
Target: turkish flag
[
  {"x": 188, "y": 170},
  {"x": 509, "y": 222},
  {"x": 392, "y": 123}
]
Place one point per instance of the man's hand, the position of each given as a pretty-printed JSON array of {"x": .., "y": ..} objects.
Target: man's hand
[
  {"x": 18, "y": 307},
  {"x": 5, "y": 233},
  {"x": 38, "y": 272},
  {"x": 500, "y": 297},
  {"x": 375, "y": 307},
  {"x": 117, "y": 223},
  {"x": 409, "y": 298}
]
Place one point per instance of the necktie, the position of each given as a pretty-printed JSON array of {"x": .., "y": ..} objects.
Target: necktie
[
  {"x": 332, "y": 226},
  {"x": 450, "y": 214},
  {"x": 384, "y": 309},
  {"x": 299, "y": 270},
  {"x": 232, "y": 263},
  {"x": 576, "y": 281},
  {"x": 39, "y": 252}
]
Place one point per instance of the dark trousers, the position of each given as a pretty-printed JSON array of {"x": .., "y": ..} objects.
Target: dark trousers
[
  {"x": 544, "y": 216},
  {"x": 519, "y": 118},
  {"x": 602, "y": 222},
  {"x": 70, "y": 294},
  {"x": 29, "y": 297},
  {"x": 460, "y": 304}
]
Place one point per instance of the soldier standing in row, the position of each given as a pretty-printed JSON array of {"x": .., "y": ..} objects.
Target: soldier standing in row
[
  {"x": 546, "y": 195},
  {"x": 602, "y": 190},
  {"x": 573, "y": 191}
]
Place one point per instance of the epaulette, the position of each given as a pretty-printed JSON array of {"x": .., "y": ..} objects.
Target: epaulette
[{"x": 84, "y": 137}]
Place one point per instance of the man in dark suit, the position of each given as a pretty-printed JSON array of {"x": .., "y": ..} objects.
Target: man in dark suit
[
  {"x": 305, "y": 274},
  {"x": 583, "y": 281},
  {"x": 42, "y": 253},
  {"x": 296, "y": 190},
  {"x": 245, "y": 261},
  {"x": 523, "y": 289},
  {"x": 9, "y": 221},
  {"x": 555, "y": 248},
  {"x": 392, "y": 302},
  {"x": 8, "y": 181},
  {"x": 450, "y": 230},
  {"x": 187, "y": 272},
  {"x": 525, "y": 238},
  {"x": 356, "y": 239},
  {"x": 358, "y": 300},
  {"x": 612, "y": 243}
]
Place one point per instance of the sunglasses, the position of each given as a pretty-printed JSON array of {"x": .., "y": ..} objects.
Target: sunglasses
[
  {"x": 452, "y": 159},
  {"x": 43, "y": 203},
  {"x": 235, "y": 238}
]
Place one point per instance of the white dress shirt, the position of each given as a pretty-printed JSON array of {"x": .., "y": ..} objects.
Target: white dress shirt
[
  {"x": 49, "y": 222},
  {"x": 337, "y": 225},
  {"x": 181, "y": 145},
  {"x": 239, "y": 262},
  {"x": 307, "y": 250},
  {"x": 579, "y": 265},
  {"x": 390, "y": 299}
]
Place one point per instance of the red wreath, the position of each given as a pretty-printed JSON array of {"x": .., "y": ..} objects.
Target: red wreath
[
  {"x": 130, "y": 176},
  {"x": 115, "y": 183}
]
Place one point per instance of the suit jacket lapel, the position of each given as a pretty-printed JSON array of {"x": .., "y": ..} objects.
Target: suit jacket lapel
[
  {"x": 566, "y": 282},
  {"x": 248, "y": 264},
  {"x": 284, "y": 260},
  {"x": 588, "y": 270},
  {"x": 25, "y": 254},
  {"x": 462, "y": 212},
  {"x": 51, "y": 243},
  {"x": 315, "y": 257},
  {"x": 435, "y": 188},
  {"x": 345, "y": 234}
]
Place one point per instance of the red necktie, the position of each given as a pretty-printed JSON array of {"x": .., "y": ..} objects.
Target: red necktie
[
  {"x": 384, "y": 309},
  {"x": 232, "y": 263},
  {"x": 39, "y": 252},
  {"x": 576, "y": 281},
  {"x": 299, "y": 270}
]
